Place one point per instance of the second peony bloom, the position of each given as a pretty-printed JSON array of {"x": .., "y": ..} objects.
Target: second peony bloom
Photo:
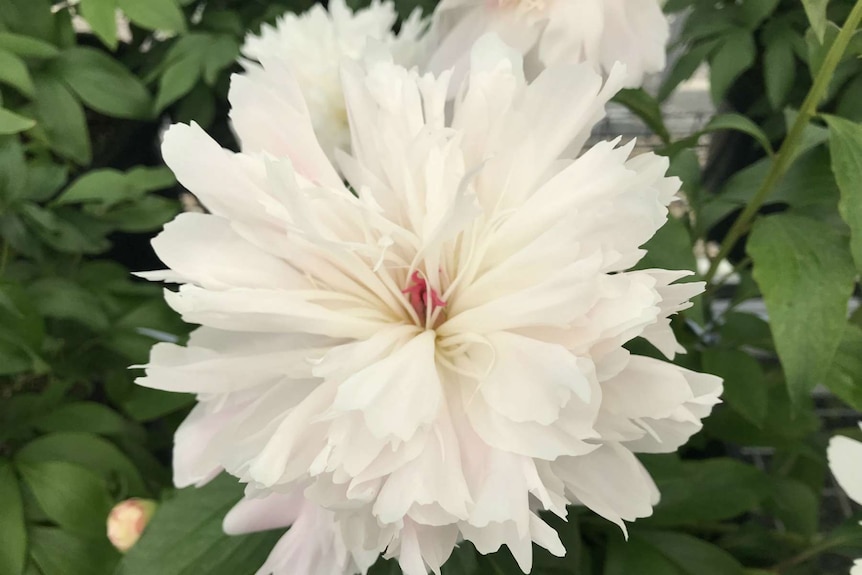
[{"x": 431, "y": 351}]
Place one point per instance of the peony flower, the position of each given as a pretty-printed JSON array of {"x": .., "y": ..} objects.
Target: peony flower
[
  {"x": 303, "y": 53},
  {"x": 314, "y": 544},
  {"x": 551, "y": 32},
  {"x": 127, "y": 521},
  {"x": 433, "y": 351},
  {"x": 845, "y": 462}
]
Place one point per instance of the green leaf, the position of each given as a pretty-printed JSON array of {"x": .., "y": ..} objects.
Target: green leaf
[
  {"x": 225, "y": 21},
  {"x": 816, "y": 11},
  {"x": 101, "y": 15},
  {"x": 691, "y": 555},
  {"x": 806, "y": 274},
  {"x": 147, "y": 404},
  {"x": 222, "y": 53},
  {"x": 646, "y": 108},
  {"x": 199, "y": 106},
  {"x": 845, "y": 145},
  {"x": 64, "y": 299},
  {"x": 85, "y": 416},
  {"x": 57, "y": 552},
  {"x": 818, "y": 48},
  {"x": 62, "y": 117},
  {"x": 27, "y": 46},
  {"x": 844, "y": 377},
  {"x": 13, "y": 71},
  {"x": 745, "y": 329},
  {"x": 30, "y": 18},
  {"x": 66, "y": 230},
  {"x": 147, "y": 214},
  {"x": 89, "y": 451},
  {"x": 735, "y": 56},
  {"x": 73, "y": 497},
  {"x": 185, "y": 536},
  {"x": 670, "y": 248},
  {"x": 150, "y": 179},
  {"x": 740, "y": 123},
  {"x": 21, "y": 331},
  {"x": 637, "y": 556},
  {"x": 177, "y": 81},
  {"x": 795, "y": 505},
  {"x": 44, "y": 179},
  {"x": 685, "y": 66},
  {"x": 744, "y": 386},
  {"x": 710, "y": 490},
  {"x": 13, "y": 170},
  {"x": 753, "y": 14},
  {"x": 779, "y": 63},
  {"x": 104, "y": 84},
  {"x": 107, "y": 187},
  {"x": 163, "y": 15},
  {"x": 13, "y": 531}
]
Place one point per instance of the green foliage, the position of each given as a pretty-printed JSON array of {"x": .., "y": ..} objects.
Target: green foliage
[
  {"x": 845, "y": 144},
  {"x": 795, "y": 257},
  {"x": 185, "y": 536}
]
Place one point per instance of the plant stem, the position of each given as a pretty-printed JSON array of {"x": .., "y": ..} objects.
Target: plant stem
[{"x": 786, "y": 153}]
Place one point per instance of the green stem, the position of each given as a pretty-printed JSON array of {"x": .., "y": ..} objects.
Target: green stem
[{"x": 788, "y": 148}]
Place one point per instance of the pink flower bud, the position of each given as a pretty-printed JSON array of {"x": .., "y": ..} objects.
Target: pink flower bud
[{"x": 127, "y": 521}]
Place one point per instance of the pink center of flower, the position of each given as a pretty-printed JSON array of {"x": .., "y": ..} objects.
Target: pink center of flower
[{"x": 424, "y": 299}]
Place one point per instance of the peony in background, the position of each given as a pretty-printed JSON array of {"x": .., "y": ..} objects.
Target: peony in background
[{"x": 445, "y": 314}]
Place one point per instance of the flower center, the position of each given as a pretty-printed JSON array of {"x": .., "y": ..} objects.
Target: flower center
[{"x": 424, "y": 300}]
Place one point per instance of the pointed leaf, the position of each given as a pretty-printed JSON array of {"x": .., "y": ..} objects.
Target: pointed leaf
[
  {"x": 163, "y": 15},
  {"x": 27, "y": 46},
  {"x": 104, "y": 84},
  {"x": 735, "y": 56},
  {"x": 61, "y": 116},
  {"x": 14, "y": 72},
  {"x": 13, "y": 531},
  {"x": 57, "y": 552},
  {"x": 75, "y": 498},
  {"x": 744, "y": 386},
  {"x": 805, "y": 271},
  {"x": 844, "y": 378},
  {"x": 12, "y": 123},
  {"x": 87, "y": 450},
  {"x": 101, "y": 16},
  {"x": 740, "y": 123},
  {"x": 185, "y": 536},
  {"x": 816, "y": 11},
  {"x": 845, "y": 144},
  {"x": 691, "y": 555}
]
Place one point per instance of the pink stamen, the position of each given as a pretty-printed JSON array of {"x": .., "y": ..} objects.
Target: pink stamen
[{"x": 423, "y": 299}]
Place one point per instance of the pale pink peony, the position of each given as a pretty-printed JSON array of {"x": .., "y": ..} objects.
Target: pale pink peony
[
  {"x": 432, "y": 352},
  {"x": 304, "y": 52},
  {"x": 552, "y": 32}
]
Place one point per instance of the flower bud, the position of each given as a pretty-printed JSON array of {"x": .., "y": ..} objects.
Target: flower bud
[{"x": 127, "y": 521}]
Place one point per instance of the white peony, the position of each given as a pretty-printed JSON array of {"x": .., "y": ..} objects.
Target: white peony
[
  {"x": 304, "y": 53},
  {"x": 433, "y": 351},
  {"x": 845, "y": 462},
  {"x": 552, "y": 32}
]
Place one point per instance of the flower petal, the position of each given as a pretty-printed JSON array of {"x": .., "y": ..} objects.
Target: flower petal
[{"x": 845, "y": 462}]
